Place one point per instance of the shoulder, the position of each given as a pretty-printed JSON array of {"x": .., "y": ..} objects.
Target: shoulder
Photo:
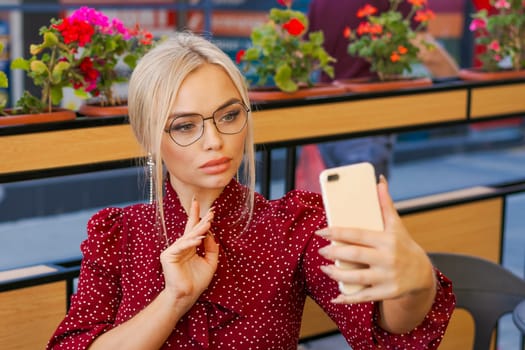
[
  {"x": 106, "y": 230},
  {"x": 298, "y": 206}
]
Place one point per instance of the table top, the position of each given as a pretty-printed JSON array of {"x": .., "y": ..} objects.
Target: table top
[{"x": 519, "y": 316}]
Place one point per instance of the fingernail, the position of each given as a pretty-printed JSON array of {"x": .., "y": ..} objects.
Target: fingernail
[
  {"x": 323, "y": 251},
  {"x": 382, "y": 178},
  {"x": 338, "y": 300},
  {"x": 326, "y": 269},
  {"x": 322, "y": 232}
]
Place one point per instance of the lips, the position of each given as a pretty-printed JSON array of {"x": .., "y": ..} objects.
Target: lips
[{"x": 216, "y": 166}]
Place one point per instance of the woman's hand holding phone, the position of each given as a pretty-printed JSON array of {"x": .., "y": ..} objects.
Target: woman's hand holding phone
[{"x": 390, "y": 263}]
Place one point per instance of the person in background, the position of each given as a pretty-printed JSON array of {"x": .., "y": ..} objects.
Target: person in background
[
  {"x": 209, "y": 263},
  {"x": 332, "y": 17}
]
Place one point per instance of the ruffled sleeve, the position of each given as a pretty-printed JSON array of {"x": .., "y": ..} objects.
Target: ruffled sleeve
[
  {"x": 431, "y": 331},
  {"x": 95, "y": 304}
]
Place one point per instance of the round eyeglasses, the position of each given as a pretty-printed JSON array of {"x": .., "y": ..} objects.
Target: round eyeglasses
[{"x": 186, "y": 129}]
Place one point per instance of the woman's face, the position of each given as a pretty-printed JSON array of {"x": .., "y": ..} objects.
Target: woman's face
[{"x": 212, "y": 161}]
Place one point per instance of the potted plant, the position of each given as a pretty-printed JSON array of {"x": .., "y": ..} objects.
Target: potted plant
[
  {"x": 502, "y": 37},
  {"x": 83, "y": 51},
  {"x": 98, "y": 46},
  {"x": 388, "y": 41},
  {"x": 282, "y": 55},
  {"x": 51, "y": 73}
]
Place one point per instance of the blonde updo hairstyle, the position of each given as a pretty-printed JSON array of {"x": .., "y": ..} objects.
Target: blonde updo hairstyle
[{"x": 153, "y": 88}]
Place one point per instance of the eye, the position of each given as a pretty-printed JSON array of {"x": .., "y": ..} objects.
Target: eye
[
  {"x": 229, "y": 116},
  {"x": 185, "y": 124}
]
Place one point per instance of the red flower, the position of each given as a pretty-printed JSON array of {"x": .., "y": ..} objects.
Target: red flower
[
  {"x": 285, "y": 3},
  {"x": 89, "y": 73},
  {"x": 394, "y": 57},
  {"x": 402, "y": 50},
  {"x": 347, "y": 32},
  {"x": 368, "y": 28},
  {"x": 418, "y": 3},
  {"x": 239, "y": 56},
  {"x": 424, "y": 16},
  {"x": 75, "y": 31},
  {"x": 294, "y": 27},
  {"x": 366, "y": 10}
]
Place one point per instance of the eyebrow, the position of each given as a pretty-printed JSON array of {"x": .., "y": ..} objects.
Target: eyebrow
[{"x": 184, "y": 114}]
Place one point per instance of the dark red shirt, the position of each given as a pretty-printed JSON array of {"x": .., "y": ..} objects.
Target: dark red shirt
[{"x": 256, "y": 298}]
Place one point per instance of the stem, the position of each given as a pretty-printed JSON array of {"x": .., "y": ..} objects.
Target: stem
[{"x": 46, "y": 90}]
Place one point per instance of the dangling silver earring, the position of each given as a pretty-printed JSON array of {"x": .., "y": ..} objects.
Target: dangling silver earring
[{"x": 150, "y": 163}]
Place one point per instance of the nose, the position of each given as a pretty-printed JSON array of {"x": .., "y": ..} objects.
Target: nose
[{"x": 211, "y": 136}]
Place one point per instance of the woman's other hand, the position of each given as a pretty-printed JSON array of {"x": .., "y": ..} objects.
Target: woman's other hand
[{"x": 186, "y": 273}]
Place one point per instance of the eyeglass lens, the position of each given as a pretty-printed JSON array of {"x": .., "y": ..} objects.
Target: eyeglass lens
[{"x": 187, "y": 129}]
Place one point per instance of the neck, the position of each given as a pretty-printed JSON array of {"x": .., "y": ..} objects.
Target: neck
[{"x": 205, "y": 197}]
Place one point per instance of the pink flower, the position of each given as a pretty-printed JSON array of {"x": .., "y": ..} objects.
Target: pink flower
[
  {"x": 502, "y": 4},
  {"x": 91, "y": 16},
  {"x": 476, "y": 24},
  {"x": 120, "y": 28},
  {"x": 494, "y": 46}
]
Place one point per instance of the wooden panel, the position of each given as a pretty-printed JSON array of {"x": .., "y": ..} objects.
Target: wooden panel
[
  {"x": 53, "y": 149},
  {"x": 315, "y": 321},
  {"x": 497, "y": 100},
  {"x": 29, "y": 316},
  {"x": 472, "y": 228},
  {"x": 358, "y": 116}
]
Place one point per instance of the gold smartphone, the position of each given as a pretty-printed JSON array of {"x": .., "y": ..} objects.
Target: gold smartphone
[{"x": 350, "y": 200}]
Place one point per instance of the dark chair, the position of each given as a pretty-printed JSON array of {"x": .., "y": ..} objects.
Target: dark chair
[
  {"x": 519, "y": 316},
  {"x": 483, "y": 288}
]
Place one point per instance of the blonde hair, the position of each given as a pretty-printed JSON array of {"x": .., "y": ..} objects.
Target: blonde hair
[{"x": 153, "y": 88}]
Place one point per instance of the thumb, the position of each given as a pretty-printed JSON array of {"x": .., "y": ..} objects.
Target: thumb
[{"x": 385, "y": 201}]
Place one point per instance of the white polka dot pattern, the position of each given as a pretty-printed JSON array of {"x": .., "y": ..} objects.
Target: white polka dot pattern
[{"x": 256, "y": 297}]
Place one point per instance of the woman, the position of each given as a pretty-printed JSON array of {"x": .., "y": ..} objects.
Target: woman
[{"x": 214, "y": 265}]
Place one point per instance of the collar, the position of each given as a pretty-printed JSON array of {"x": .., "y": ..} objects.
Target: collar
[{"x": 222, "y": 301}]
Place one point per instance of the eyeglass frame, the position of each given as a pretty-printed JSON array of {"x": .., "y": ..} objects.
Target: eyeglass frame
[{"x": 212, "y": 117}]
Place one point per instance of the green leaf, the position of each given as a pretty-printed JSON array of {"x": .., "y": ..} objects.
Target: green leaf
[
  {"x": 3, "y": 80},
  {"x": 58, "y": 72},
  {"x": 283, "y": 78},
  {"x": 50, "y": 39},
  {"x": 20, "y": 63},
  {"x": 38, "y": 67},
  {"x": 56, "y": 95}
]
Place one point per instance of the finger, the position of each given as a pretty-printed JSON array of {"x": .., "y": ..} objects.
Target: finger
[
  {"x": 385, "y": 201},
  {"x": 363, "y": 276},
  {"x": 348, "y": 235},
  {"x": 202, "y": 226},
  {"x": 350, "y": 253},
  {"x": 182, "y": 245},
  {"x": 373, "y": 293},
  {"x": 193, "y": 215}
]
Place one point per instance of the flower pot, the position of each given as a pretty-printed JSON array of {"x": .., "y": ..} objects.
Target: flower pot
[
  {"x": 58, "y": 114},
  {"x": 476, "y": 74},
  {"x": 97, "y": 110},
  {"x": 273, "y": 93},
  {"x": 370, "y": 85}
]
